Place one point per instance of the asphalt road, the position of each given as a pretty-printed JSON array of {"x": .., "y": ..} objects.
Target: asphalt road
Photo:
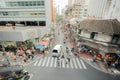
[
  {"x": 40, "y": 72},
  {"x": 45, "y": 68}
]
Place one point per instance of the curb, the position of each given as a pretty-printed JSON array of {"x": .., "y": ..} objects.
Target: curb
[{"x": 92, "y": 65}]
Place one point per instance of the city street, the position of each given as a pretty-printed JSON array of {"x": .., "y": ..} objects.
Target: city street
[
  {"x": 59, "y": 40},
  {"x": 46, "y": 68}
]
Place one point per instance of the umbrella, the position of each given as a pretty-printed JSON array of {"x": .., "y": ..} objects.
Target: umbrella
[{"x": 40, "y": 47}]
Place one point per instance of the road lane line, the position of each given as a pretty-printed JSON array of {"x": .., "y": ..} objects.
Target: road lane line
[
  {"x": 48, "y": 62},
  {"x": 51, "y": 62},
  {"x": 55, "y": 62},
  {"x": 83, "y": 64},
  {"x": 75, "y": 63},
  {"x": 68, "y": 65},
  {"x": 40, "y": 62},
  {"x": 35, "y": 63},
  {"x": 71, "y": 64},
  {"x": 78, "y": 62},
  {"x": 63, "y": 63},
  {"x": 44, "y": 61}
]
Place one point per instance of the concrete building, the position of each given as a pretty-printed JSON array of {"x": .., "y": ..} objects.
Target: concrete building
[
  {"x": 84, "y": 8},
  {"x": 26, "y": 12},
  {"x": 114, "y": 10},
  {"x": 72, "y": 2},
  {"x": 72, "y": 12},
  {"x": 103, "y": 35},
  {"x": 98, "y": 8},
  {"x": 14, "y": 36}
]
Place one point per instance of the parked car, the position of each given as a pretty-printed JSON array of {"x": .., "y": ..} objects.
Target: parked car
[{"x": 13, "y": 73}]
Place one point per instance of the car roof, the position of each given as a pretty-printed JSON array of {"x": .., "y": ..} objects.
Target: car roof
[
  {"x": 57, "y": 46},
  {"x": 10, "y": 69}
]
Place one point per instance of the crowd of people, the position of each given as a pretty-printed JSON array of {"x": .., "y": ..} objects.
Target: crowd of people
[{"x": 20, "y": 52}]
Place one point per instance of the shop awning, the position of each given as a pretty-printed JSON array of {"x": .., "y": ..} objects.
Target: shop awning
[
  {"x": 45, "y": 43},
  {"x": 40, "y": 47}
]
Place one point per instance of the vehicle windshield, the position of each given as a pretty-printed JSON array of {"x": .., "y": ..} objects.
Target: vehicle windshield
[{"x": 55, "y": 51}]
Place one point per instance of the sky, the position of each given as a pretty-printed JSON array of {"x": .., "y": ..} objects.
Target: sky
[{"x": 60, "y": 3}]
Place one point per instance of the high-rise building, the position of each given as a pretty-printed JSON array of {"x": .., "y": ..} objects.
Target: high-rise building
[
  {"x": 114, "y": 10},
  {"x": 98, "y": 8},
  {"x": 26, "y": 12},
  {"x": 84, "y": 8},
  {"x": 73, "y": 2}
]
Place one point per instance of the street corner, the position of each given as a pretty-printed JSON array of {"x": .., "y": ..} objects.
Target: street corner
[
  {"x": 114, "y": 71},
  {"x": 93, "y": 64},
  {"x": 102, "y": 66}
]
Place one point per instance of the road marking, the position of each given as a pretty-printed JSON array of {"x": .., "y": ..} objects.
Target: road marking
[
  {"x": 35, "y": 63},
  {"x": 75, "y": 63},
  {"x": 51, "y": 62},
  {"x": 83, "y": 64},
  {"x": 71, "y": 64},
  {"x": 63, "y": 63},
  {"x": 79, "y": 63},
  {"x": 48, "y": 62},
  {"x": 68, "y": 65},
  {"x": 40, "y": 62},
  {"x": 55, "y": 62},
  {"x": 44, "y": 61}
]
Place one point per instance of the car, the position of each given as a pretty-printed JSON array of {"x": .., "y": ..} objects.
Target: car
[
  {"x": 16, "y": 72},
  {"x": 57, "y": 50}
]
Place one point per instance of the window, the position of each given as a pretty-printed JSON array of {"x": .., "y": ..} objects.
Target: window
[
  {"x": 34, "y": 3},
  {"x": 42, "y": 3}
]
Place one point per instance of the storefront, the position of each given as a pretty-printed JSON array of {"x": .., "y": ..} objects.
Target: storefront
[{"x": 20, "y": 36}]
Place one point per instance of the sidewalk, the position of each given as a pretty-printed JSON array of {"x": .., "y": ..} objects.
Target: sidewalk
[
  {"x": 18, "y": 61},
  {"x": 99, "y": 65}
]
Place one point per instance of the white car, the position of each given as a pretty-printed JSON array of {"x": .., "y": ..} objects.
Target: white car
[{"x": 57, "y": 50}]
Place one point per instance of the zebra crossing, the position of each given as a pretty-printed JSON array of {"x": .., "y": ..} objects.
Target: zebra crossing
[{"x": 75, "y": 63}]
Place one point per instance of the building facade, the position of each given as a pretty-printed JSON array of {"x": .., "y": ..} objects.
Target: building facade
[
  {"x": 72, "y": 12},
  {"x": 98, "y": 8},
  {"x": 114, "y": 10},
  {"x": 26, "y": 12}
]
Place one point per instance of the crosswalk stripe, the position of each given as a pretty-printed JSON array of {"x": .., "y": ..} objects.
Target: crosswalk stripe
[
  {"x": 71, "y": 64},
  {"x": 55, "y": 62},
  {"x": 67, "y": 65},
  {"x": 40, "y": 62},
  {"x": 51, "y": 62},
  {"x": 48, "y": 62},
  {"x": 35, "y": 63},
  {"x": 63, "y": 63},
  {"x": 75, "y": 63},
  {"x": 44, "y": 61},
  {"x": 83, "y": 64},
  {"x": 79, "y": 63}
]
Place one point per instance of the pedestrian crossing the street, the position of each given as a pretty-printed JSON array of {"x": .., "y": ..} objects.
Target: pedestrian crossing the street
[{"x": 75, "y": 63}]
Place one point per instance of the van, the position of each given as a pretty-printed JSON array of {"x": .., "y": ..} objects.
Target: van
[{"x": 57, "y": 50}]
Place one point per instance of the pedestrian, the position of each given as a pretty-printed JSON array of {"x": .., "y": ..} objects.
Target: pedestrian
[
  {"x": 67, "y": 50},
  {"x": 30, "y": 55},
  {"x": 64, "y": 41},
  {"x": 94, "y": 58},
  {"x": 59, "y": 62},
  {"x": 68, "y": 56},
  {"x": 72, "y": 49},
  {"x": 14, "y": 57}
]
